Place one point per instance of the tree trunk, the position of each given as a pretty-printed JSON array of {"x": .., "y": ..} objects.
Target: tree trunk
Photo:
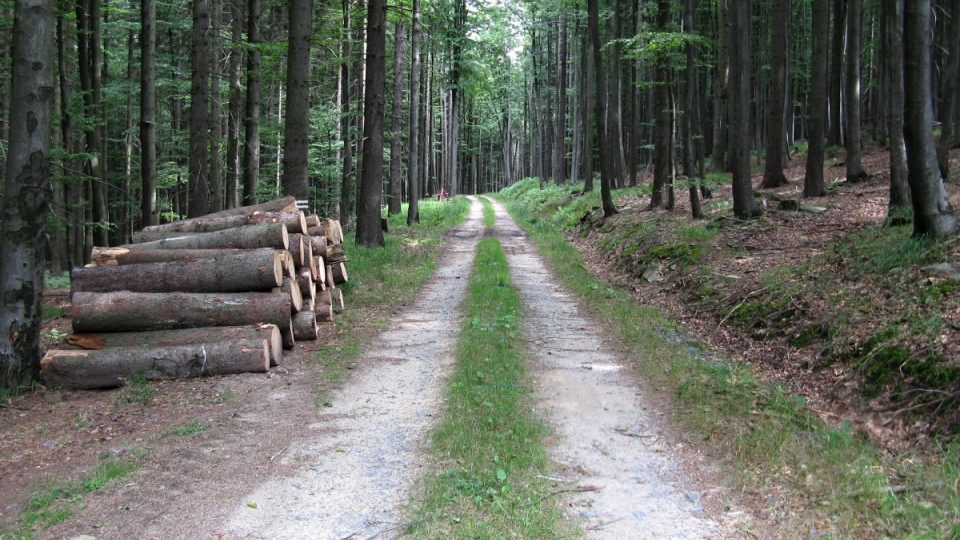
[
  {"x": 813, "y": 184},
  {"x": 559, "y": 138},
  {"x": 948, "y": 91},
  {"x": 297, "y": 123},
  {"x": 113, "y": 256},
  {"x": 721, "y": 92},
  {"x": 26, "y": 193},
  {"x": 689, "y": 106},
  {"x": 251, "y": 150},
  {"x": 215, "y": 115},
  {"x": 249, "y": 270},
  {"x": 593, "y": 23},
  {"x": 199, "y": 111},
  {"x": 663, "y": 138},
  {"x": 773, "y": 176},
  {"x": 932, "y": 213},
  {"x": 413, "y": 171},
  {"x": 296, "y": 222},
  {"x": 272, "y": 235},
  {"x": 899, "y": 207},
  {"x": 183, "y": 336},
  {"x": 132, "y": 311},
  {"x": 346, "y": 178},
  {"x": 836, "y": 73},
  {"x": 236, "y": 105},
  {"x": 744, "y": 205},
  {"x": 88, "y": 370},
  {"x": 396, "y": 128},
  {"x": 855, "y": 172},
  {"x": 369, "y": 232}
]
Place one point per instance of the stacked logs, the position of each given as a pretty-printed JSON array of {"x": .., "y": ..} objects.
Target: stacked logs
[{"x": 217, "y": 294}]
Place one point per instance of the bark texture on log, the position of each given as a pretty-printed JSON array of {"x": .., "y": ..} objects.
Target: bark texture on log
[
  {"x": 247, "y": 270},
  {"x": 324, "y": 298},
  {"x": 291, "y": 288},
  {"x": 286, "y": 336},
  {"x": 108, "y": 368},
  {"x": 114, "y": 256},
  {"x": 332, "y": 230},
  {"x": 313, "y": 220},
  {"x": 336, "y": 294},
  {"x": 131, "y": 311},
  {"x": 202, "y": 224},
  {"x": 324, "y": 312},
  {"x": 285, "y": 204},
  {"x": 272, "y": 235},
  {"x": 334, "y": 254},
  {"x": 305, "y": 326},
  {"x": 295, "y": 221},
  {"x": 308, "y": 287},
  {"x": 183, "y": 336},
  {"x": 339, "y": 272},
  {"x": 301, "y": 250}
]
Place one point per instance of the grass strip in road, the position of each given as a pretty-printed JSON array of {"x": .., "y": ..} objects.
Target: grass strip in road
[
  {"x": 489, "y": 218},
  {"x": 491, "y": 443},
  {"x": 381, "y": 280},
  {"x": 812, "y": 478}
]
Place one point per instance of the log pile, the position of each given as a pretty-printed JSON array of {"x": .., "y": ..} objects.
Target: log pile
[{"x": 217, "y": 294}]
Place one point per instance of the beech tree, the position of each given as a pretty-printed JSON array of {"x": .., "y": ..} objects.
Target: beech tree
[
  {"x": 369, "y": 231},
  {"x": 813, "y": 184},
  {"x": 297, "y": 120}
]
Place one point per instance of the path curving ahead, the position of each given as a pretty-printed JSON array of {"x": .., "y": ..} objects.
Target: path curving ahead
[
  {"x": 358, "y": 471},
  {"x": 604, "y": 435}
]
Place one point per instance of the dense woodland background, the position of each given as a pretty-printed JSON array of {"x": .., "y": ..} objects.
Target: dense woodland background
[{"x": 162, "y": 110}]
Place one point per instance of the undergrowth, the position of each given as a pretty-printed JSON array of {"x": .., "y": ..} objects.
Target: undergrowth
[
  {"x": 383, "y": 278},
  {"x": 808, "y": 476},
  {"x": 491, "y": 442}
]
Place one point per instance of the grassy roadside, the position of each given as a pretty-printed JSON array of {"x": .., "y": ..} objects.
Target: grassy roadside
[
  {"x": 811, "y": 479},
  {"x": 55, "y": 502},
  {"x": 490, "y": 444},
  {"x": 382, "y": 279}
]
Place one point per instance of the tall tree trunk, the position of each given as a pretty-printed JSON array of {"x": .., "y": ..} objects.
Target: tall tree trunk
[
  {"x": 899, "y": 206},
  {"x": 396, "y": 127},
  {"x": 216, "y": 116},
  {"x": 721, "y": 93},
  {"x": 413, "y": 171},
  {"x": 346, "y": 178},
  {"x": 744, "y": 206},
  {"x": 235, "y": 68},
  {"x": 776, "y": 146},
  {"x": 251, "y": 150},
  {"x": 835, "y": 137},
  {"x": 599, "y": 95},
  {"x": 932, "y": 213},
  {"x": 88, "y": 52},
  {"x": 199, "y": 111},
  {"x": 813, "y": 184},
  {"x": 948, "y": 91},
  {"x": 26, "y": 194},
  {"x": 689, "y": 120},
  {"x": 663, "y": 138},
  {"x": 297, "y": 124},
  {"x": 369, "y": 231},
  {"x": 855, "y": 172},
  {"x": 559, "y": 138}
]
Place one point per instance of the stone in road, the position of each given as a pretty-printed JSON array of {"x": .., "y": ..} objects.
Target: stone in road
[
  {"x": 358, "y": 473},
  {"x": 604, "y": 437}
]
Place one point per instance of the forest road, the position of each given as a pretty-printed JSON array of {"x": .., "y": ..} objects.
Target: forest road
[
  {"x": 606, "y": 436},
  {"x": 357, "y": 476}
]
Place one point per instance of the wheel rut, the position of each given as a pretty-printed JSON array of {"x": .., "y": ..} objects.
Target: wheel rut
[
  {"x": 355, "y": 477},
  {"x": 607, "y": 443}
]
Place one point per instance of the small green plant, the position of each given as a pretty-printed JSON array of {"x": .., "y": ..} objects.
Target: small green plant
[
  {"x": 55, "y": 334},
  {"x": 51, "y": 312},
  {"x": 136, "y": 390},
  {"x": 190, "y": 428},
  {"x": 56, "y": 281}
]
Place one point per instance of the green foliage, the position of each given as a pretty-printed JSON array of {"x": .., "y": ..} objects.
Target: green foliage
[
  {"x": 880, "y": 250},
  {"x": 136, "y": 390},
  {"x": 51, "y": 312},
  {"x": 56, "y": 281},
  {"x": 192, "y": 427},
  {"x": 493, "y": 441}
]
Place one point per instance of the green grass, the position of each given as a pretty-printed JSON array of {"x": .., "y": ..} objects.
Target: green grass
[
  {"x": 56, "y": 281},
  {"x": 490, "y": 443},
  {"x": 136, "y": 390},
  {"x": 828, "y": 478},
  {"x": 192, "y": 427},
  {"x": 383, "y": 278},
  {"x": 488, "y": 216},
  {"x": 56, "y": 502},
  {"x": 51, "y": 312}
]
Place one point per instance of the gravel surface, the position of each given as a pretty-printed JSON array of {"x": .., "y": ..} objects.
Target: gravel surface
[
  {"x": 610, "y": 450},
  {"x": 356, "y": 477}
]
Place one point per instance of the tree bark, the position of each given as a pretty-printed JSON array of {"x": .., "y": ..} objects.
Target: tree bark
[
  {"x": 776, "y": 159},
  {"x": 559, "y": 138},
  {"x": 899, "y": 207},
  {"x": 113, "y": 256},
  {"x": 369, "y": 232},
  {"x": 26, "y": 193},
  {"x": 932, "y": 213},
  {"x": 148, "y": 113},
  {"x": 134, "y": 311},
  {"x": 236, "y": 105},
  {"x": 248, "y": 270},
  {"x": 855, "y": 172},
  {"x": 836, "y": 73},
  {"x": 199, "y": 111},
  {"x": 948, "y": 91},
  {"x": 297, "y": 122},
  {"x": 272, "y": 235},
  {"x": 216, "y": 117},
  {"x": 251, "y": 150},
  {"x": 689, "y": 115},
  {"x": 88, "y": 370},
  {"x": 721, "y": 92},
  {"x": 813, "y": 183},
  {"x": 346, "y": 168},
  {"x": 208, "y": 222},
  {"x": 413, "y": 170},
  {"x": 593, "y": 24},
  {"x": 663, "y": 137},
  {"x": 396, "y": 128},
  {"x": 744, "y": 205},
  {"x": 305, "y": 325},
  {"x": 296, "y": 222},
  {"x": 183, "y": 336}
]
